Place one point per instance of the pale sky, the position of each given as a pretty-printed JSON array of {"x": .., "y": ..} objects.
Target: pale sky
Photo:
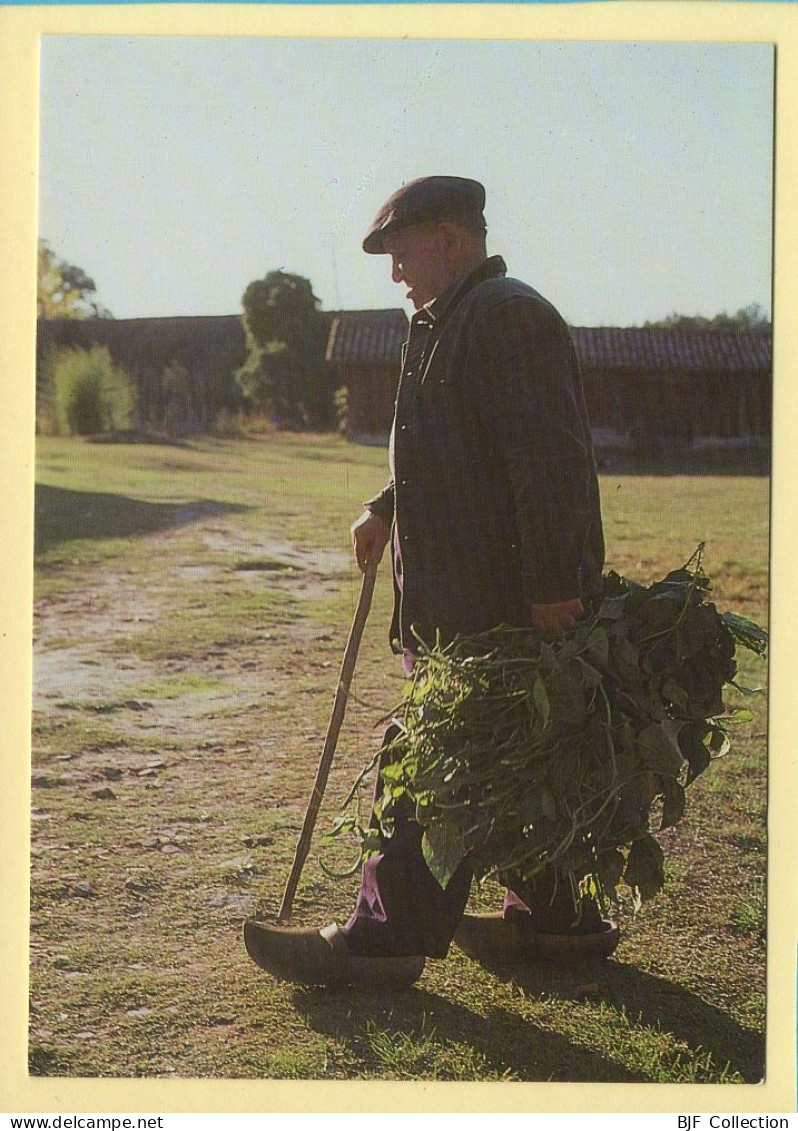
[{"x": 623, "y": 181}]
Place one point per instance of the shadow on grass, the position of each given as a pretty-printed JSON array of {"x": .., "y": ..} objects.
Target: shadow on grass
[
  {"x": 499, "y": 1044},
  {"x": 63, "y": 515},
  {"x": 506, "y": 1042},
  {"x": 658, "y": 1003}
]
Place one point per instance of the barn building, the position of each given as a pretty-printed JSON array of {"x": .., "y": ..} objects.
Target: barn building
[
  {"x": 651, "y": 392},
  {"x": 662, "y": 390},
  {"x": 364, "y": 348}
]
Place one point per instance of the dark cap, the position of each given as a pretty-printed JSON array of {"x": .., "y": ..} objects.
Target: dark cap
[{"x": 428, "y": 198}]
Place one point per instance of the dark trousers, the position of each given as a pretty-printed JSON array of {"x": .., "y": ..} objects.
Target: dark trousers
[{"x": 402, "y": 910}]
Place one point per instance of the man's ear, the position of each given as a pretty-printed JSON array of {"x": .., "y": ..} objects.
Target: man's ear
[{"x": 451, "y": 237}]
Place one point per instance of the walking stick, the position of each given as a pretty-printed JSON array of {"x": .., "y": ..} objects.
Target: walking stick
[{"x": 336, "y": 718}]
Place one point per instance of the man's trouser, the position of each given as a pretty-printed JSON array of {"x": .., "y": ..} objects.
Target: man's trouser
[{"x": 401, "y": 909}]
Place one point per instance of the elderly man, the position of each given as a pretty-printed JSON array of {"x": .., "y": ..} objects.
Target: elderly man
[{"x": 492, "y": 512}]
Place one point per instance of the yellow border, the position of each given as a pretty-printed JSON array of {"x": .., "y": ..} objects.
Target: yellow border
[{"x": 20, "y": 29}]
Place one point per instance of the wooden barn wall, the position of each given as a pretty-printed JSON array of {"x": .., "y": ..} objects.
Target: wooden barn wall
[
  {"x": 210, "y": 349},
  {"x": 675, "y": 406},
  {"x": 679, "y": 405},
  {"x": 370, "y": 398}
]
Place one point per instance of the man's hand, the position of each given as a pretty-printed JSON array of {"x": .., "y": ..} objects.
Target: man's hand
[
  {"x": 370, "y": 537},
  {"x": 557, "y": 619}
]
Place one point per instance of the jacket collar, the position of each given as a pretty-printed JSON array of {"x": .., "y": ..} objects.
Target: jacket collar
[{"x": 437, "y": 311}]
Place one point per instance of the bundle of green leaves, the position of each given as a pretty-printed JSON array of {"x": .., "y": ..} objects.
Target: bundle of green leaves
[{"x": 519, "y": 753}]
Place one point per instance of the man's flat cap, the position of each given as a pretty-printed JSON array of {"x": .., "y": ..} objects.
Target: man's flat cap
[{"x": 428, "y": 198}]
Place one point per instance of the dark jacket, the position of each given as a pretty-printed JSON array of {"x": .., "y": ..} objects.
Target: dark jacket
[{"x": 495, "y": 495}]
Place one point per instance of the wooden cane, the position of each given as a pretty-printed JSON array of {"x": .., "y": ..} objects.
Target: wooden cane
[{"x": 336, "y": 718}]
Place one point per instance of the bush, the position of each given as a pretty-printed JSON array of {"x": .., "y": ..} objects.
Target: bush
[
  {"x": 90, "y": 393},
  {"x": 341, "y": 402},
  {"x": 229, "y": 424},
  {"x": 180, "y": 416}
]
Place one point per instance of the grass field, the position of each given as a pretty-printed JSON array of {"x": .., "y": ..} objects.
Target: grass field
[{"x": 192, "y": 605}]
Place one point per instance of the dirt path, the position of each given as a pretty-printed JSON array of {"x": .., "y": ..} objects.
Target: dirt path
[{"x": 158, "y": 768}]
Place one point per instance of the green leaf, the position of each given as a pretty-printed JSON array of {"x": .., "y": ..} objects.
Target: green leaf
[
  {"x": 567, "y": 698},
  {"x": 529, "y": 807},
  {"x": 610, "y": 869},
  {"x": 738, "y": 717},
  {"x": 567, "y": 650},
  {"x": 718, "y": 742},
  {"x": 549, "y": 805},
  {"x": 443, "y": 849},
  {"x": 680, "y": 577},
  {"x": 342, "y": 826},
  {"x": 598, "y": 646},
  {"x": 656, "y": 616},
  {"x": 659, "y": 750},
  {"x": 645, "y": 871},
  {"x": 746, "y": 632},
  {"x": 673, "y": 693},
  {"x": 626, "y": 660},
  {"x": 541, "y": 700},
  {"x": 612, "y": 608},
  {"x": 590, "y": 675},
  {"x": 371, "y": 843},
  {"x": 393, "y": 772},
  {"x": 746, "y": 690},
  {"x": 694, "y": 749},
  {"x": 674, "y": 801}
]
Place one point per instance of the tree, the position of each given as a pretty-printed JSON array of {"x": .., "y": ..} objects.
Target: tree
[
  {"x": 750, "y": 317},
  {"x": 64, "y": 291},
  {"x": 285, "y": 371}
]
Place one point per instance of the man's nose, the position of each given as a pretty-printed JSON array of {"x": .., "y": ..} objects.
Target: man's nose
[{"x": 396, "y": 271}]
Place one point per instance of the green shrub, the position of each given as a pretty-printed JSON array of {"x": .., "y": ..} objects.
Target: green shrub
[
  {"x": 229, "y": 424},
  {"x": 341, "y": 403},
  {"x": 180, "y": 416},
  {"x": 90, "y": 393}
]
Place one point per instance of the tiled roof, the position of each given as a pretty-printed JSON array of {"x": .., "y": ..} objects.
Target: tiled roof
[
  {"x": 376, "y": 337},
  {"x": 661, "y": 350},
  {"x": 367, "y": 336}
]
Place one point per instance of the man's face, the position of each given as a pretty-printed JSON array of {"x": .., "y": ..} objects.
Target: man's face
[{"x": 419, "y": 260}]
